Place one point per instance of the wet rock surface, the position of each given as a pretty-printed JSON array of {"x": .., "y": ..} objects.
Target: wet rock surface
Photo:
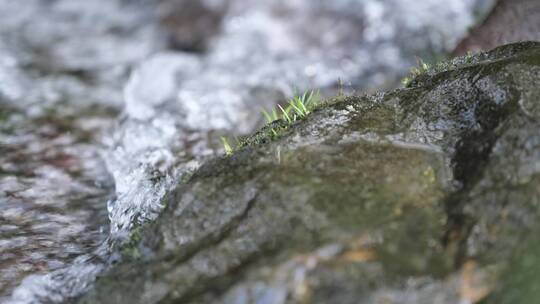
[{"x": 427, "y": 194}]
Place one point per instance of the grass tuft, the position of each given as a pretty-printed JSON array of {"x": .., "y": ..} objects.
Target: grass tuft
[{"x": 278, "y": 120}]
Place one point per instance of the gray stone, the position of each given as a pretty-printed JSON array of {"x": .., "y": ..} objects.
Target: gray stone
[{"x": 419, "y": 195}]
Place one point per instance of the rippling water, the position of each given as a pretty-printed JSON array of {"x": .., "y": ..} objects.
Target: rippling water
[
  {"x": 53, "y": 188},
  {"x": 98, "y": 119},
  {"x": 60, "y": 93}
]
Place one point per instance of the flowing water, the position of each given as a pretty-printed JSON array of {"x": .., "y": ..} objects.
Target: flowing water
[{"x": 105, "y": 105}]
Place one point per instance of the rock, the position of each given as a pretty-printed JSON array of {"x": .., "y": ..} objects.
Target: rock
[
  {"x": 264, "y": 52},
  {"x": 420, "y": 195},
  {"x": 191, "y": 24},
  {"x": 510, "y": 21}
]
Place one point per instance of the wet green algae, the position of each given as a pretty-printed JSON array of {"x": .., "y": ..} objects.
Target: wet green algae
[{"x": 430, "y": 178}]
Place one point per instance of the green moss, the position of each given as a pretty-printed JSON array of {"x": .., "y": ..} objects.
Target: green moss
[
  {"x": 520, "y": 281},
  {"x": 186, "y": 176},
  {"x": 427, "y": 69},
  {"x": 383, "y": 188},
  {"x": 298, "y": 109},
  {"x": 130, "y": 248},
  {"x": 268, "y": 133}
]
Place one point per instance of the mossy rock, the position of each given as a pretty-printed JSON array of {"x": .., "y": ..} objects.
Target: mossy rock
[{"x": 425, "y": 194}]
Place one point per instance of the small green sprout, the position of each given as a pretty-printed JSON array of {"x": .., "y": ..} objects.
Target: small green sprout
[
  {"x": 421, "y": 69},
  {"x": 424, "y": 68},
  {"x": 285, "y": 114},
  {"x": 228, "y": 149},
  {"x": 271, "y": 117},
  {"x": 340, "y": 87},
  {"x": 297, "y": 108},
  {"x": 300, "y": 106}
]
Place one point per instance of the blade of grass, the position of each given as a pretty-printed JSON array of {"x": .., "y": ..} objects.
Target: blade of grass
[
  {"x": 297, "y": 110},
  {"x": 285, "y": 114},
  {"x": 226, "y": 146},
  {"x": 267, "y": 116}
]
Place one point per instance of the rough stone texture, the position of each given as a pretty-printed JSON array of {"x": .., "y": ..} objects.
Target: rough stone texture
[
  {"x": 428, "y": 194},
  {"x": 510, "y": 21}
]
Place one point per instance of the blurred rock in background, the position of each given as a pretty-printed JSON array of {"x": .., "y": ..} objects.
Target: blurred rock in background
[
  {"x": 510, "y": 21},
  {"x": 191, "y": 24}
]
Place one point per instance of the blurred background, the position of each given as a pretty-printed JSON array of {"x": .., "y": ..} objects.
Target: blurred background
[{"x": 106, "y": 104}]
